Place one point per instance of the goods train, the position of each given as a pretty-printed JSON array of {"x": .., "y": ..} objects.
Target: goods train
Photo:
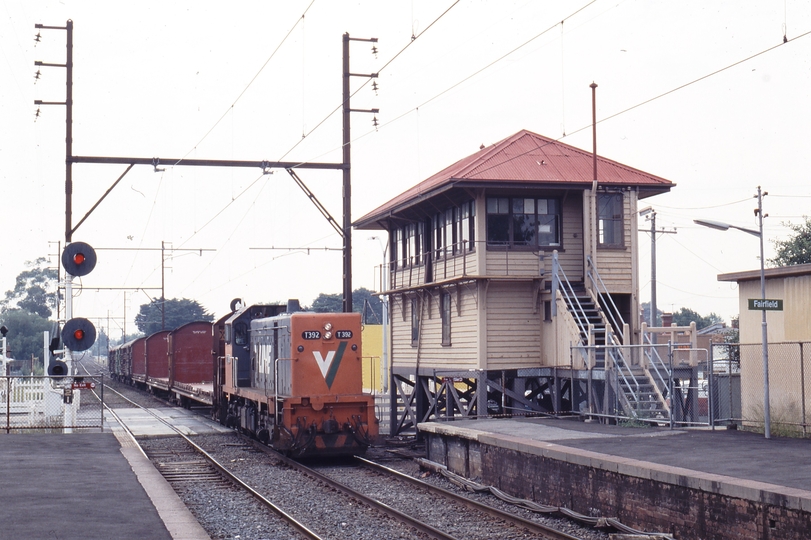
[{"x": 291, "y": 379}]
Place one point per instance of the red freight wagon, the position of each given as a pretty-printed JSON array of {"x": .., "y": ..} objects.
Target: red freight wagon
[
  {"x": 190, "y": 363},
  {"x": 157, "y": 365},
  {"x": 138, "y": 351}
]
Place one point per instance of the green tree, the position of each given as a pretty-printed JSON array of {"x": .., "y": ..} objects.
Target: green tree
[
  {"x": 646, "y": 314},
  {"x": 361, "y": 298},
  {"x": 328, "y": 303},
  {"x": 178, "y": 311},
  {"x": 35, "y": 290},
  {"x": 685, "y": 316},
  {"x": 795, "y": 250},
  {"x": 25, "y": 330}
]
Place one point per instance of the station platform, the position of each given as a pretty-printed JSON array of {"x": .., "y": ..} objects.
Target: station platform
[
  {"x": 686, "y": 482},
  {"x": 93, "y": 485}
]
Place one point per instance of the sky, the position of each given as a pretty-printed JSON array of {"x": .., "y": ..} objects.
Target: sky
[{"x": 703, "y": 93}]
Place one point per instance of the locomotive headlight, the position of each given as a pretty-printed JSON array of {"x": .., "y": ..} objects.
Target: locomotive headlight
[
  {"x": 328, "y": 327},
  {"x": 327, "y": 335},
  {"x": 300, "y": 348}
]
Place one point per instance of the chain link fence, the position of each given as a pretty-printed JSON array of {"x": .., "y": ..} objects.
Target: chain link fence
[
  {"x": 789, "y": 385},
  {"x": 49, "y": 404},
  {"x": 676, "y": 385}
]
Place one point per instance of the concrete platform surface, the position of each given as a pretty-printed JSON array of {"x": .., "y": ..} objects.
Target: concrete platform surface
[
  {"x": 738, "y": 454},
  {"x": 76, "y": 485}
]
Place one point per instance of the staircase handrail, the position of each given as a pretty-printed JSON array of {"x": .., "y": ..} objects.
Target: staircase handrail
[
  {"x": 614, "y": 349},
  {"x": 565, "y": 287},
  {"x": 652, "y": 355},
  {"x": 602, "y": 290}
]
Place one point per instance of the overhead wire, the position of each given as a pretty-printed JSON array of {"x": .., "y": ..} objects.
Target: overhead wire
[
  {"x": 230, "y": 110},
  {"x": 486, "y": 67},
  {"x": 685, "y": 85},
  {"x": 250, "y": 83},
  {"x": 340, "y": 106},
  {"x": 316, "y": 127},
  {"x": 588, "y": 126}
]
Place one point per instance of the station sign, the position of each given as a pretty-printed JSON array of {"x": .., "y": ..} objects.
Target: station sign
[
  {"x": 83, "y": 385},
  {"x": 757, "y": 304}
]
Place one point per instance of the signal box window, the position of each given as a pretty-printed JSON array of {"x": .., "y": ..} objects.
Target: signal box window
[
  {"x": 415, "y": 322},
  {"x": 523, "y": 222},
  {"x": 610, "y": 225},
  {"x": 445, "y": 311}
]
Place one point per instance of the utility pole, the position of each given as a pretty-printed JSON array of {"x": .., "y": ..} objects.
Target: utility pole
[
  {"x": 650, "y": 214},
  {"x": 347, "y": 160},
  {"x": 163, "y": 286}
]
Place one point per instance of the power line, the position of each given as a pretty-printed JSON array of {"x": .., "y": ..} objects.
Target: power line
[
  {"x": 229, "y": 109},
  {"x": 716, "y": 72},
  {"x": 340, "y": 106}
]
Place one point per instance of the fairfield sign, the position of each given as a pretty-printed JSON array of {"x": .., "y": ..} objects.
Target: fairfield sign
[{"x": 756, "y": 304}]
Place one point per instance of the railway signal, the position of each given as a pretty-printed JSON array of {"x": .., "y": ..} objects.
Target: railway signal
[
  {"x": 78, "y": 334},
  {"x": 78, "y": 259}
]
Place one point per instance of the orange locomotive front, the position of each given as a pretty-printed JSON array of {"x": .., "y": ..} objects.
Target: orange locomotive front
[{"x": 295, "y": 382}]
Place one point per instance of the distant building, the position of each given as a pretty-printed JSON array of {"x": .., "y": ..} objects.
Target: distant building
[
  {"x": 789, "y": 338},
  {"x": 792, "y": 285}
]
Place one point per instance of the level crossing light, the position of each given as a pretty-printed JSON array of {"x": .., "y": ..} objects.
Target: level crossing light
[{"x": 764, "y": 339}]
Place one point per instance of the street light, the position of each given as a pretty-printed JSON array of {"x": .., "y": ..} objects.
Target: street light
[{"x": 759, "y": 233}]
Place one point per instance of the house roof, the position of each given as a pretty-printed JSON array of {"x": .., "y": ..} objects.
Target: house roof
[{"x": 521, "y": 159}]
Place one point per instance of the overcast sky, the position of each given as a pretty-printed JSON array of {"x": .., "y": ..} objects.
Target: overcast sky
[{"x": 678, "y": 96}]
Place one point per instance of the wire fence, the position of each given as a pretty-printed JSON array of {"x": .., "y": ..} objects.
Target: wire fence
[
  {"x": 789, "y": 370},
  {"x": 679, "y": 386},
  {"x": 31, "y": 403}
]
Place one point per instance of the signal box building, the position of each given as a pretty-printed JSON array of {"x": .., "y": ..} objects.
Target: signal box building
[{"x": 497, "y": 265}]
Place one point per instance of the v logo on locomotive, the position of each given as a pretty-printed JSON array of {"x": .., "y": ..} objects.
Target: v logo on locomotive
[{"x": 329, "y": 365}]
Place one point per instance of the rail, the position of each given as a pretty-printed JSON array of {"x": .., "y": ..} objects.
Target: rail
[
  {"x": 537, "y": 528},
  {"x": 300, "y": 527}
]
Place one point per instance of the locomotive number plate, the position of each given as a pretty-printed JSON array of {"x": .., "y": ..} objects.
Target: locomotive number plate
[
  {"x": 343, "y": 334},
  {"x": 311, "y": 334}
]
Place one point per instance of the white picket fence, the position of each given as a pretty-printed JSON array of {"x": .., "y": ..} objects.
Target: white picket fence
[{"x": 39, "y": 403}]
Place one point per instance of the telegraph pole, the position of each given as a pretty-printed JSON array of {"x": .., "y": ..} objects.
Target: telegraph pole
[
  {"x": 650, "y": 214},
  {"x": 347, "y": 159}
]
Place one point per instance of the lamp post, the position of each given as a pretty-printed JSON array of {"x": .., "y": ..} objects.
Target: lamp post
[{"x": 759, "y": 233}]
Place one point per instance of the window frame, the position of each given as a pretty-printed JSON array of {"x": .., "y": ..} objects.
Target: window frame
[
  {"x": 616, "y": 220},
  {"x": 445, "y": 312},
  {"x": 506, "y": 208},
  {"x": 415, "y": 321}
]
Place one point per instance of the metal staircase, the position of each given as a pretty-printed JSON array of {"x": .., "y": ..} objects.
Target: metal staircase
[{"x": 640, "y": 392}]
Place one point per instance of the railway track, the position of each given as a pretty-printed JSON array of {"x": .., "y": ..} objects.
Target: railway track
[
  {"x": 207, "y": 473},
  {"x": 199, "y": 471},
  {"x": 491, "y": 522}
]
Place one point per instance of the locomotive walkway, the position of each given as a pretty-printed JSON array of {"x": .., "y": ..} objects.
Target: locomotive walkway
[{"x": 92, "y": 485}]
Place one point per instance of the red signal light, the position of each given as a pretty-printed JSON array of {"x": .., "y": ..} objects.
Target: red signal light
[
  {"x": 79, "y": 334},
  {"x": 78, "y": 259}
]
